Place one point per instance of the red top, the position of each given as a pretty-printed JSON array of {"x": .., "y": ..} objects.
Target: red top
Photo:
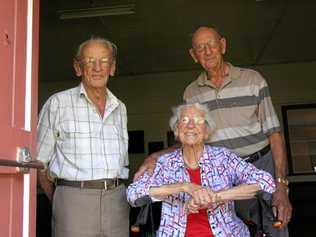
[{"x": 197, "y": 223}]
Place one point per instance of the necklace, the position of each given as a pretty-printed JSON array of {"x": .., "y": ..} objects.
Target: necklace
[
  {"x": 193, "y": 161},
  {"x": 191, "y": 166}
]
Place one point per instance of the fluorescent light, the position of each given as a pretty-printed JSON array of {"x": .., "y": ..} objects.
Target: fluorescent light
[{"x": 115, "y": 10}]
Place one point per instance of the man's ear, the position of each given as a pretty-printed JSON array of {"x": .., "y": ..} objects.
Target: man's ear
[
  {"x": 223, "y": 45},
  {"x": 113, "y": 68},
  {"x": 191, "y": 51},
  {"x": 77, "y": 68}
]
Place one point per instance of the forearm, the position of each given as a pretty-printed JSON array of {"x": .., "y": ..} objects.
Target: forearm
[
  {"x": 166, "y": 190},
  {"x": 240, "y": 192},
  {"x": 47, "y": 185},
  {"x": 279, "y": 155}
]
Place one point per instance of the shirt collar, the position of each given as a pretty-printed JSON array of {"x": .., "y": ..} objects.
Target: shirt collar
[
  {"x": 111, "y": 100},
  {"x": 233, "y": 73},
  {"x": 179, "y": 162},
  {"x": 82, "y": 92}
]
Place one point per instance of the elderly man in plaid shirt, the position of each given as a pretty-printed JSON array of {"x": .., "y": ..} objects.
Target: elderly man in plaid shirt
[{"x": 83, "y": 141}]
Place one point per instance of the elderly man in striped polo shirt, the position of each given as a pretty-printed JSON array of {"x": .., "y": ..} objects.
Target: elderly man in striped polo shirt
[
  {"x": 82, "y": 140},
  {"x": 240, "y": 103}
]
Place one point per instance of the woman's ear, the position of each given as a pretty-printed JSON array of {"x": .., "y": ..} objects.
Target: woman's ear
[
  {"x": 207, "y": 133},
  {"x": 176, "y": 133}
]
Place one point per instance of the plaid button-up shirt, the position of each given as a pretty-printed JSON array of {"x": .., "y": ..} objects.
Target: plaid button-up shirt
[
  {"x": 77, "y": 143},
  {"x": 220, "y": 170}
]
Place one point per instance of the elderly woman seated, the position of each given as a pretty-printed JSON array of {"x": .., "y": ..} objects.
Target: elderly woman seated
[{"x": 198, "y": 183}]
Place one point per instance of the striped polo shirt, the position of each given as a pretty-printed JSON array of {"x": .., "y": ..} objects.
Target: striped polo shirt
[{"x": 241, "y": 109}]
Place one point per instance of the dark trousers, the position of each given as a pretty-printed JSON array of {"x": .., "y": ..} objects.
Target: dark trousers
[{"x": 254, "y": 211}]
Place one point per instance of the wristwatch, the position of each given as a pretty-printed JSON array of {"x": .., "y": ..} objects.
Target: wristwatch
[{"x": 282, "y": 181}]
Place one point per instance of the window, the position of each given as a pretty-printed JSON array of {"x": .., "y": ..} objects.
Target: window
[{"x": 300, "y": 137}]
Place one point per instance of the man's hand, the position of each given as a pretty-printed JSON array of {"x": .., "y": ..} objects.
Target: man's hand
[
  {"x": 148, "y": 165},
  {"x": 280, "y": 197},
  {"x": 281, "y": 201},
  {"x": 47, "y": 185}
]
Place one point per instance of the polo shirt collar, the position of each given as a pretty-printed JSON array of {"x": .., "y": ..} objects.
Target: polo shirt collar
[{"x": 233, "y": 73}]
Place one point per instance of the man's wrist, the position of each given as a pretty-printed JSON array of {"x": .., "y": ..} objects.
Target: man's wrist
[
  {"x": 282, "y": 180},
  {"x": 282, "y": 185}
]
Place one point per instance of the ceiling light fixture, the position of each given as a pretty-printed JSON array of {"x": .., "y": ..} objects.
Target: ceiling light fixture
[{"x": 115, "y": 10}]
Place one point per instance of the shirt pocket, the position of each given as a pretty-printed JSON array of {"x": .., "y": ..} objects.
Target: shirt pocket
[
  {"x": 72, "y": 129},
  {"x": 75, "y": 137}
]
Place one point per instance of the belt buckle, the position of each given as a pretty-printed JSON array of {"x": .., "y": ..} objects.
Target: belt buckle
[{"x": 116, "y": 182}]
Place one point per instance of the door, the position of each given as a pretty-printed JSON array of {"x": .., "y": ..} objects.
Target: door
[{"x": 18, "y": 114}]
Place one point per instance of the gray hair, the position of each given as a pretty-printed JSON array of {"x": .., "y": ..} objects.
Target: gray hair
[
  {"x": 176, "y": 112},
  {"x": 96, "y": 39}
]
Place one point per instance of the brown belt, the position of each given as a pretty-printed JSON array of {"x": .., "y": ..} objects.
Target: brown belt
[
  {"x": 255, "y": 156},
  {"x": 106, "y": 184}
]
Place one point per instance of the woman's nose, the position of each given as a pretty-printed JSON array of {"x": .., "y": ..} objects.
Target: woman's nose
[{"x": 191, "y": 123}]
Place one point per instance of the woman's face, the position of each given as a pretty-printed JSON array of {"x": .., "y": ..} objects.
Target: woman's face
[{"x": 191, "y": 129}]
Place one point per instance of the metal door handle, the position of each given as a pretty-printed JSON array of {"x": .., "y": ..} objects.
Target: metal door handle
[{"x": 23, "y": 162}]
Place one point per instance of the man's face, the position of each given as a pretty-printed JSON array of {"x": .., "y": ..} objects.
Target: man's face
[
  {"x": 208, "y": 48},
  {"x": 95, "y": 65}
]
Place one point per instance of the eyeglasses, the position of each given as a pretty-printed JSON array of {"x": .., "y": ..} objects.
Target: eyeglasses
[
  {"x": 196, "y": 120},
  {"x": 212, "y": 44},
  {"x": 92, "y": 62}
]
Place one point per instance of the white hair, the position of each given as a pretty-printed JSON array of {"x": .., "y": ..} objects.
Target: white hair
[
  {"x": 96, "y": 39},
  {"x": 176, "y": 112}
]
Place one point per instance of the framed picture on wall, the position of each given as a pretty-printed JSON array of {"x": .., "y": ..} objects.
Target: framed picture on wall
[
  {"x": 136, "y": 142},
  {"x": 300, "y": 137},
  {"x": 155, "y": 146},
  {"x": 171, "y": 139}
]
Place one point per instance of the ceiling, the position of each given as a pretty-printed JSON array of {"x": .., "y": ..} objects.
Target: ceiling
[{"x": 155, "y": 39}]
